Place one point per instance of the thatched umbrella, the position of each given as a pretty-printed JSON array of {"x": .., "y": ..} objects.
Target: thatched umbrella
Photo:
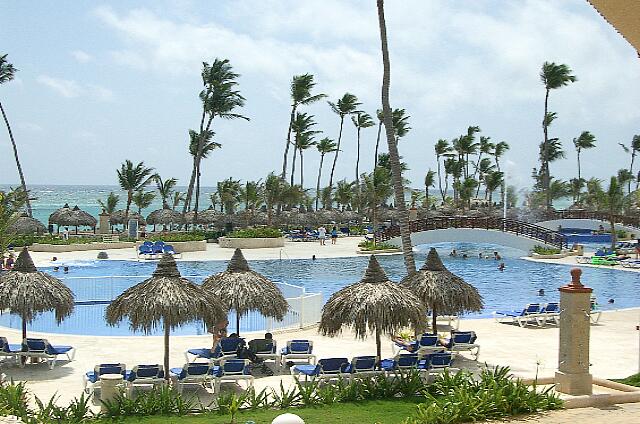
[
  {"x": 164, "y": 217},
  {"x": 165, "y": 299},
  {"x": 26, "y": 225},
  {"x": 373, "y": 305},
  {"x": 243, "y": 290},
  {"x": 118, "y": 218},
  {"x": 57, "y": 216},
  {"x": 209, "y": 216},
  {"x": 84, "y": 218},
  {"x": 441, "y": 290},
  {"x": 25, "y": 291}
]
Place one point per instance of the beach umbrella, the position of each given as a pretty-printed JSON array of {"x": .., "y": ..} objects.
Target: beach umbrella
[
  {"x": 208, "y": 216},
  {"x": 26, "y": 225},
  {"x": 373, "y": 305},
  {"x": 83, "y": 218},
  {"x": 164, "y": 300},
  {"x": 243, "y": 290},
  {"x": 56, "y": 216},
  {"x": 118, "y": 218},
  {"x": 164, "y": 217},
  {"x": 26, "y": 292},
  {"x": 441, "y": 290}
]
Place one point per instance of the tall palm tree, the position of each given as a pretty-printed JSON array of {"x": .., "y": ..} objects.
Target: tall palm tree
[
  {"x": 360, "y": 120},
  {"x": 499, "y": 150},
  {"x": 219, "y": 98},
  {"x": 442, "y": 148},
  {"x": 178, "y": 197},
  {"x": 208, "y": 146},
  {"x": 380, "y": 122},
  {"x": 400, "y": 123},
  {"x": 492, "y": 181},
  {"x": 301, "y": 86},
  {"x": 552, "y": 76},
  {"x": 143, "y": 199},
  {"x": 7, "y": 73},
  {"x": 585, "y": 140},
  {"x": 405, "y": 231},
  {"x": 324, "y": 146},
  {"x": 165, "y": 189},
  {"x": 110, "y": 204},
  {"x": 485, "y": 147},
  {"x": 466, "y": 146},
  {"x": 273, "y": 189},
  {"x": 304, "y": 141},
  {"x": 346, "y": 105},
  {"x": 131, "y": 179},
  {"x": 634, "y": 148},
  {"x": 229, "y": 192},
  {"x": 429, "y": 181},
  {"x": 483, "y": 168},
  {"x": 301, "y": 126}
]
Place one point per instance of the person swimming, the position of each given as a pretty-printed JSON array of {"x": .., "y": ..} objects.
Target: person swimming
[
  {"x": 65, "y": 269},
  {"x": 541, "y": 292},
  {"x": 501, "y": 266}
]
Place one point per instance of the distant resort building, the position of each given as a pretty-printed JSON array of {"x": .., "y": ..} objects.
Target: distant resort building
[{"x": 624, "y": 16}]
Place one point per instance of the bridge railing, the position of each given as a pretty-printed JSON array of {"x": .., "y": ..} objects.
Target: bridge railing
[
  {"x": 631, "y": 221},
  {"x": 513, "y": 226}
]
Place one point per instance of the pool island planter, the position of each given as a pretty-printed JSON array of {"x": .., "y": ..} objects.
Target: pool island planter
[
  {"x": 184, "y": 246},
  {"x": 379, "y": 252},
  {"x": 61, "y": 248},
  {"x": 250, "y": 243}
]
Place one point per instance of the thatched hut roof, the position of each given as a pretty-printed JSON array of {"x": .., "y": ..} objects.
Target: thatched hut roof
[
  {"x": 165, "y": 216},
  {"x": 84, "y": 218},
  {"x": 243, "y": 290},
  {"x": 117, "y": 218},
  {"x": 441, "y": 290},
  {"x": 209, "y": 216},
  {"x": 72, "y": 217},
  {"x": 25, "y": 291},
  {"x": 373, "y": 305},
  {"x": 26, "y": 225},
  {"x": 55, "y": 216}
]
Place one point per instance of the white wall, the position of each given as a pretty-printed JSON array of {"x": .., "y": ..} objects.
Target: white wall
[{"x": 588, "y": 224}]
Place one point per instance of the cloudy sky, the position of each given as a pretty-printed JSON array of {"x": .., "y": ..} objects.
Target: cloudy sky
[{"x": 98, "y": 84}]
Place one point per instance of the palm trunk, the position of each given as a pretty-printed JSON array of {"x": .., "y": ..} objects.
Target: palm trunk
[
  {"x": 579, "y": 178},
  {"x": 442, "y": 193},
  {"x": 434, "y": 323},
  {"x": 195, "y": 206},
  {"x": 545, "y": 149},
  {"x": 358, "y": 174},
  {"x": 15, "y": 154},
  {"x": 197, "y": 158},
  {"x": 126, "y": 212},
  {"x": 293, "y": 165},
  {"x": 378, "y": 346},
  {"x": 426, "y": 195},
  {"x": 318, "y": 183},
  {"x": 238, "y": 323},
  {"x": 301, "y": 170},
  {"x": 23, "y": 359},
  {"x": 269, "y": 215},
  {"x": 335, "y": 158},
  {"x": 633, "y": 157},
  {"x": 286, "y": 148},
  {"x": 375, "y": 159},
  {"x": 612, "y": 223},
  {"x": 405, "y": 230},
  {"x": 167, "y": 330}
]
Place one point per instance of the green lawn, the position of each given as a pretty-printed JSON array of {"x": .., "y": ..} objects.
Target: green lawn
[
  {"x": 633, "y": 380},
  {"x": 366, "y": 412}
]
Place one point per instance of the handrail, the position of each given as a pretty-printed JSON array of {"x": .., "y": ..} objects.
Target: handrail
[
  {"x": 630, "y": 221},
  {"x": 512, "y": 226}
]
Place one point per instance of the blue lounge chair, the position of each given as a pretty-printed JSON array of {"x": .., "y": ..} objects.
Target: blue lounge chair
[
  {"x": 195, "y": 373},
  {"x": 522, "y": 318},
  {"x": 400, "y": 363},
  {"x": 429, "y": 343},
  {"x": 363, "y": 366},
  {"x": 145, "y": 375},
  {"x": 326, "y": 369},
  {"x": 298, "y": 351},
  {"x": 438, "y": 362},
  {"x": 146, "y": 252},
  {"x": 41, "y": 348},
  {"x": 92, "y": 378},
  {"x": 235, "y": 370},
  {"x": 9, "y": 350},
  {"x": 463, "y": 341},
  {"x": 227, "y": 348},
  {"x": 158, "y": 247},
  {"x": 269, "y": 352},
  {"x": 549, "y": 313}
]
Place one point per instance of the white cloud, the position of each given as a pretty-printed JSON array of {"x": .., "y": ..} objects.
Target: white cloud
[
  {"x": 72, "y": 89},
  {"x": 81, "y": 56},
  {"x": 30, "y": 126}
]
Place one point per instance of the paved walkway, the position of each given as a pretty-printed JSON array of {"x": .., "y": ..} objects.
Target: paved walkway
[{"x": 628, "y": 413}]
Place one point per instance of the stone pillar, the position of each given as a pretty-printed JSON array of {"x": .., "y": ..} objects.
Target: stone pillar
[
  {"x": 103, "y": 227},
  {"x": 110, "y": 385},
  {"x": 573, "y": 375}
]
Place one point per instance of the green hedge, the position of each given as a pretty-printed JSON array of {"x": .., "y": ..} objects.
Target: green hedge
[
  {"x": 368, "y": 245},
  {"x": 256, "y": 233},
  {"x": 540, "y": 250},
  {"x": 190, "y": 236},
  {"x": 28, "y": 240}
]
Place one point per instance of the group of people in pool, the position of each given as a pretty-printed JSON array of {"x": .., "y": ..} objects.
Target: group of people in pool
[
  {"x": 56, "y": 268},
  {"x": 496, "y": 256}
]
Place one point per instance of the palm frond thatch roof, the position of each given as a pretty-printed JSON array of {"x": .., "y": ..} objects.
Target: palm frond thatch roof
[
  {"x": 165, "y": 216},
  {"x": 84, "y": 218},
  {"x": 118, "y": 217},
  {"x": 441, "y": 290},
  {"x": 25, "y": 291},
  {"x": 55, "y": 216},
  {"x": 244, "y": 290},
  {"x": 374, "y": 304},
  {"x": 72, "y": 217},
  {"x": 26, "y": 225}
]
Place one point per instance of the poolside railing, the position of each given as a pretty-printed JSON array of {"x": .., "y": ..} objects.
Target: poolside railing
[{"x": 304, "y": 308}]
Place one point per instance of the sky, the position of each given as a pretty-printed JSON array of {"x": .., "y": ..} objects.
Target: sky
[{"x": 99, "y": 83}]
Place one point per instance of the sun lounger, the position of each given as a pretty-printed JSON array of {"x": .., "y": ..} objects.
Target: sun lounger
[
  {"x": 429, "y": 343},
  {"x": 522, "y": 318},
  {"x": 326, "y": 369},
  {"x": 195, "y": 373},
  {"x": 363, "y": 366},
  {"x": 92, "y": 378},
  {"x": 228, "y": 348},
  {"x": 583, "y": 259},
  {"x": 145, "y": 375},
  {"x": 40, "y": 348},
  {"x": 599, "y": 260},
  {"x": 550, "y": 313},
  {"x": 233, "y": 370},
  {"x": 267, "y": 352},
  {"x": 146, "y": 252},
  {"x": 438, "y": 362},
  {"x": 298, "y": 351},
  {"x": 463, "y": 341},
  {"x": 399, "y": 364},
  {"x": 9, "y": 350}
]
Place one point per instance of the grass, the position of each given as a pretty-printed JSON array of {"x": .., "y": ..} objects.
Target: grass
[
  {"x": 633, "y": 380},
  {"x": 365, "y": 412},
  {"x": 371, "y": 246}
]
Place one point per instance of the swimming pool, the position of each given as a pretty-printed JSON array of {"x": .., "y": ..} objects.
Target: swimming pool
[{"x": 513, "y": 288}]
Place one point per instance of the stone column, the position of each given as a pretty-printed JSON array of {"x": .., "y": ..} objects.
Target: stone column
[
  {"x": 110, "y": 385},
  {"x": 573, "y": 375},
  {"x": 103, "y": 227}
]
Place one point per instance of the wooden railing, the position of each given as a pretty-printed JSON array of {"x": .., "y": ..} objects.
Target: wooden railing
[
  {"x": 631, "y": 221},
  {"x": 512, "y": 226}
]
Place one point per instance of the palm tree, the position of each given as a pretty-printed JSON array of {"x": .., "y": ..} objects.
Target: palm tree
[
  {"x": 380, "y": 119},
  {"x": 143, "y": 199},
  {"x": 465, "y": 146},
  {"x": 467, "y": 188},
  {"x": 405, "y": 231},
  {"x": 324, "y": 146},
  {"x": 498, "y": 151},
  {"x": 576, "y": 185},
  {"x": 400, "y": 123},
  {"x": 624, "y": 178},
  {"x": 634, "y": 148},
  {"x": 344, "y": 193},
  {"x": 553, "y": 76},
  {"x": 251, "y": 195},
  {"x": 613, "y": 201},
  {"x": 376, "y": 189},
  {"x": 273, "y": 189},
  {"x": 360, "y": 120},
  {"x": 110, "y": 204},
  {"x": 229, "y": 192},
  {"x": 165, "y": 189},
  {"x": 7, "y": 73},
  {"x": 301, "y": 86},
  {"x": 219, "y": 98},
  {"x": 483, "y": 168},
  {"x": 131, "y": 179},
  {"x": 178, "y": 198},
  {"x": 346, "y": 105},
  {"x": 429, "y": 181},
  {"x": 214, "y": 199},
  {"x": 301, "y": 126},
  {"x": 492, "y": 181},
  {"x": 485, "y": 147},
  {"x": 442, "y": 148},
  {"x": 585, "y": 140},
  {"x": 208, "y": 146}
]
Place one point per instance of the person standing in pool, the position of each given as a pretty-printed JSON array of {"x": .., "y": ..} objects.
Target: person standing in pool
[{"x": 334, "y": 235}]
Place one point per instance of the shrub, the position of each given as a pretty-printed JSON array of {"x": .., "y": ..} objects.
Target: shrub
[
  {"x": 369, "y": 245},
  {"x": 541, "y": 250},
  {"x": 266, "y": 232},
  {"x": 163, "y": 401},
  {"x": 28, "y": 240}
]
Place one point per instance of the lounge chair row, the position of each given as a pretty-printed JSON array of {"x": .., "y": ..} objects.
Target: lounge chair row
[
  {"x": 151, "y": 250},
  {"x": 35, "y": 349},
  {"x": 460, "y": 341},
  {"x": 539, "y": 315}
]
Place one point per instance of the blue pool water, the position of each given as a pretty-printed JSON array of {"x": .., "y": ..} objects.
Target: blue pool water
[{"x": 511, "y": 289}]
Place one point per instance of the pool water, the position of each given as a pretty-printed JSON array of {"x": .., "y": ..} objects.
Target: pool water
[{"x": 517, "y": 285}]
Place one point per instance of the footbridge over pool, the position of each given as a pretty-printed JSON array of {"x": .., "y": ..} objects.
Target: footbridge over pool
[
  {"x": 505, "y": 232},
  {"x": 589, "y": 220}
]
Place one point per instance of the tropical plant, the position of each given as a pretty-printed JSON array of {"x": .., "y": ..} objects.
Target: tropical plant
[
  {"x": 143, "y": 199},
  {"x": 274, "y": 187},
  {"x": 584, "y": 141},
  {"x": 442, "y": 149},
  {"x": 110, "y": 204},
  {"x": 484, "y": 167},
  {"x": 208, "y": 146},
  {"x": 552, "y": 76},
  {"x": 633, "y": 149},
  {"x": 576, "y": 185},
  {"x": 327, "y": 197},
  {"x": 178, "y": 197},
  {"x": 346, "y": 105},
  {"x": 380, "y": 117},
  {"x": 303, "y": 141},
  {"x": 344, "y": 194},
  {"x": 377, "y": 187},
  {"x": 613, "y": 201},
  {"x": 467, "y": 188},
  {"x": 492, "y": 181},
  {"x": 324, "y": 146},
  {"x": 625, "y": 177},
  {"x": 12, "y": 203},
  {"x": 229, "y": 192},
  {"x": 485, "y": 147},
  {"x": 301, "y": 86},
  {"x": 301, "y": 126},
  {"x": 498, "y": 151},
  {"x": 465, "y": 146},
  {"x": 219, "y": 98},
  {"x": 429, "y": 181},
  {"x": 360, "y": 120},
  {"x": 251, "y": 196},
  {"x": 7, "y": 73},
  {"x": 165, "y": 189},
  {"x": 266, "y": 232},
  {"x": 131, "y": 179}
]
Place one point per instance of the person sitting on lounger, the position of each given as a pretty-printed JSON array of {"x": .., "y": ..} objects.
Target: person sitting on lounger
[{"x": 410, "y": 346}]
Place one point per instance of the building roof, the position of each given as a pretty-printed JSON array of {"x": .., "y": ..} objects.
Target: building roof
[{"x": 624, "y": 16}]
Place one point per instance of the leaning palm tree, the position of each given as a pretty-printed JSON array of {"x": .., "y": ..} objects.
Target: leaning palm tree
[
  {"x": 301, "y": 86},
  {"x": 301, "y": 126},
  {"x": 360, "y": 120},
  {"x": 485, "y": 147},
  {"x": 373, "y": 305},
  {"x": 492, "y": 181},
  {"x": 7, "y": 73},
  {"x": 634, "y": 148},
  {"x": 346, "y": 105},
  {"x": 441, "y": 291},
  {"x": 165, "y": 189},
  {"x": 304, "y": 141},
  {"x": 143, "y": 199},
  {"x": 274, "y": 188},
  {"x": 207, "y": 146},
  {"x": 429, "y": 181},
  {"x": 405, "y": 230},
  {"x": 553, "y": 76},
  {"x": 498, "y": 151},
  {"x": 442, "y": 148},
  {"x": 110, "y": 204},
  {"x": 165, "y": 300},
  {"x": 324, "y": 146},
  {"x": 585, "y": 140},
  {"x": 242, "y": 290},
  {"x": 131, "y": 179}
]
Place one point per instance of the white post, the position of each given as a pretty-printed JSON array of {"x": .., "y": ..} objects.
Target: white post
[
  {"x": 302, "y": 307},
  {"x": 504, "y": 200}
]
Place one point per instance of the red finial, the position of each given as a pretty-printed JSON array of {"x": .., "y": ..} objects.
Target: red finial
[
  {"x": 575, "y": 277},
  {"x": 575, "y": 286}
]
